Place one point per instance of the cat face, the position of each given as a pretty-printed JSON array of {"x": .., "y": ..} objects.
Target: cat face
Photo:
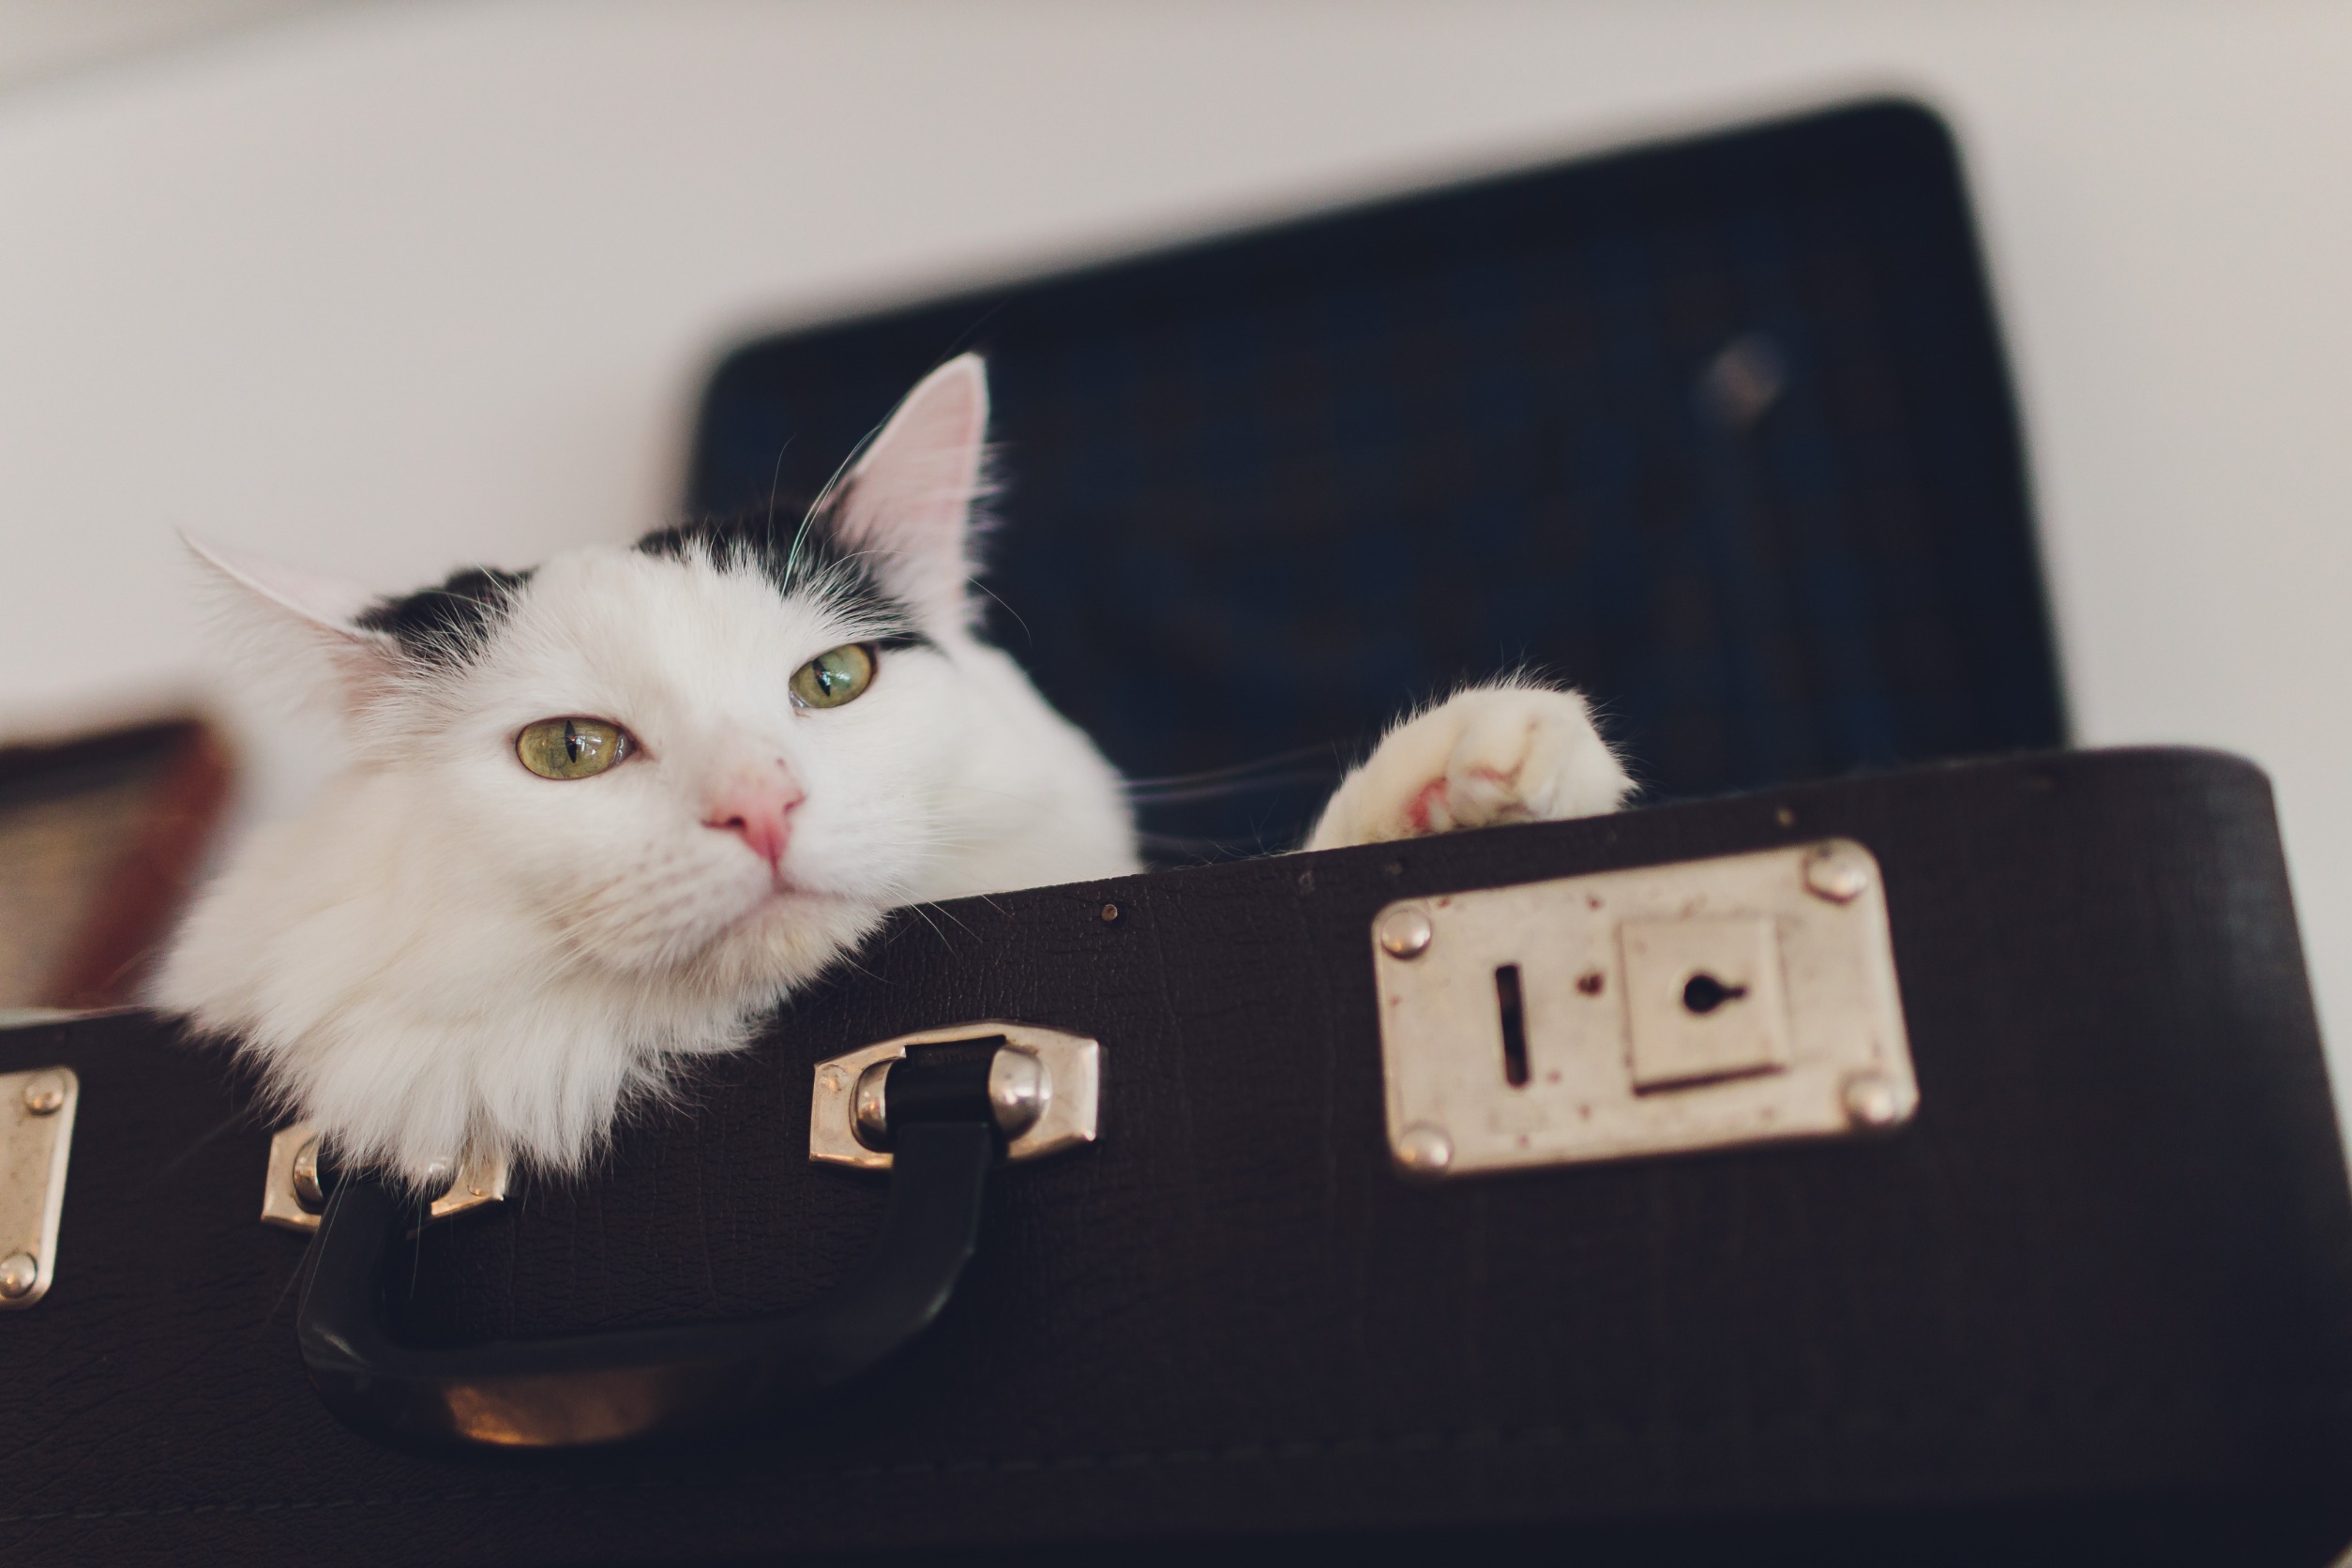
[
  {"x": 698, "y": 754},
  {"x": 734, "y": 807}
]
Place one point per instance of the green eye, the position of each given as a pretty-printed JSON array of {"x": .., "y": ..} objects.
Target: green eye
[
  {"x": 572, "y": 748},
  {"x": 834, "y": 678}
]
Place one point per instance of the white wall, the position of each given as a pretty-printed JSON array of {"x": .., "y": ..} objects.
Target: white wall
[{"x": 385, "y": 287}]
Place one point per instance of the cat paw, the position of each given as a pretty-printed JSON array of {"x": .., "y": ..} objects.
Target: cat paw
[{"x": 1486, "y": 755}]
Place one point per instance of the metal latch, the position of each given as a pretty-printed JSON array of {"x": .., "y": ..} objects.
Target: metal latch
[
  {"x": 36, "y": 1111},
  {"x": 1044, "y": 1088},
  {"x": 293, "y": 1196},
  {"x": 1706, "y": 1005}
]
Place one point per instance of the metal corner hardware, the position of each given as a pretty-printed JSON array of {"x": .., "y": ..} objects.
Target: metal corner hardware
[
  {"x": 36, "y": 1112},
  {"x": 1705, "y": 1004},
  {"x": 1044, "y": 1085},
  {"x": 292, "y": 1197}
]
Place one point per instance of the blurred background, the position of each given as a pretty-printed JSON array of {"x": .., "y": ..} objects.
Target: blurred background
[{"x": 383, "y": 287}]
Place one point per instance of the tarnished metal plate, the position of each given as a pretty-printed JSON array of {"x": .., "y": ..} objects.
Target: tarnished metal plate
[
  {"x": 36, "y": 1111},
  {"x": 1705, "y": 1004}
]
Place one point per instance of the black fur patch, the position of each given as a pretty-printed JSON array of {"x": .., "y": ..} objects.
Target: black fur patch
[
  {"x": 795, "y": 556},
  {"x": 450, "y": 624}
]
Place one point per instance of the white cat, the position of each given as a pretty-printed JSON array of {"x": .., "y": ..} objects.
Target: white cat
[{"x": 604, "y": 814}]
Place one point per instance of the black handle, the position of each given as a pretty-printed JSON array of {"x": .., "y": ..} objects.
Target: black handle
[{"x": 607, "y": 1388}]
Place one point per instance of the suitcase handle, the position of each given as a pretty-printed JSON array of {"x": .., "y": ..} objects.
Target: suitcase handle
[{"x": 638, "y": 1384}]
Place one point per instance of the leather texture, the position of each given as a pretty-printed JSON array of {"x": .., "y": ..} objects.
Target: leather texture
[{"x": 2098, "y": 1294}]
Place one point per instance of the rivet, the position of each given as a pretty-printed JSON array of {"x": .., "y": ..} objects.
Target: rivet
[
  {"x": 1424, "y": 1150},
  {"x": 1405, "y": 931},
  {"x": 1870, "y": 1101},
  {"x": 43, "y": 1093},
  {"x": 1110, "y": 912},
  {"x": 1837, "y": 872},
  {"x": 19, "y": 1273},
  {"x": 1018, "y": 1092}
]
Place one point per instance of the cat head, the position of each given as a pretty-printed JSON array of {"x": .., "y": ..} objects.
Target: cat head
[{"x": 702, "y": 756}]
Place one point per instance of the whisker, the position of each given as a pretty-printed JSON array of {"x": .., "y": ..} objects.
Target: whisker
[
  {"x": 1229, "y": 788},
  {"x": 1207, "y": 776},
  {"x": 1016, "y": 615},
  {"x": 921, "y": 914},
  {"x": 775, "y": 478}
]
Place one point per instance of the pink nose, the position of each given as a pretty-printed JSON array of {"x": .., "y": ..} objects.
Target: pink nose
[{"x": 760, "y": 813}]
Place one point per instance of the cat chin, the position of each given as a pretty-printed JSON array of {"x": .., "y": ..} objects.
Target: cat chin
[{"x": 784, "y": 939}]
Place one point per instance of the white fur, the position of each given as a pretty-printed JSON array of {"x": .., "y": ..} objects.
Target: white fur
[
  {"x": 1515, "y": 752},
  {"x": 447, "y": 952}
]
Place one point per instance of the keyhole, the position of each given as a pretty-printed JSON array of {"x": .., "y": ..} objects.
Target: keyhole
[{"x": 1704, "y": 994}]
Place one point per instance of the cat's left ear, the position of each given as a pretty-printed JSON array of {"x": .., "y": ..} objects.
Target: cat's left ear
[
  {"x": 910, "y": 498},
  {"x": 297, "y": 630}
]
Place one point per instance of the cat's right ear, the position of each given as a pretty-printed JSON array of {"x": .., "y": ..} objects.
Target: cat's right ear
[
  {"x": 911, "y": 495},
  {"x": 299, "y": 628}
]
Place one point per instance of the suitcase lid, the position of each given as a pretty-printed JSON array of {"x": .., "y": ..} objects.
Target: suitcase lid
[{"x": 1718, "y": 430}]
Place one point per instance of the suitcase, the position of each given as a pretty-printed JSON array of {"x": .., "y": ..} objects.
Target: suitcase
[
  {"x": 2064, "y": 1277},
  {"x": 1932, "y": 1166}
]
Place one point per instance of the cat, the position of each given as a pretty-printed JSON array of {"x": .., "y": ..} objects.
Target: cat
[{"x": 598, "y": 817}]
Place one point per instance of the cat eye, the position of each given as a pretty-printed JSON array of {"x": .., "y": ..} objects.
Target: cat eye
[
  {"x": 833, "y": 678},
  {"x": 572, "y": 748}
]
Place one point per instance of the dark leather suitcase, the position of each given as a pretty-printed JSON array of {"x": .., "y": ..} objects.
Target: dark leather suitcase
[
  {"x": 2090, "y": 1300},
  {"x": 2058, "y": 1271}
]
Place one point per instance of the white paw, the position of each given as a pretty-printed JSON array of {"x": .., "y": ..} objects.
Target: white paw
[{"x": 1488, "y": 755}]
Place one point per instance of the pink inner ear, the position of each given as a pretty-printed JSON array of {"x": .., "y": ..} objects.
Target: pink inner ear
[{"x": 911, "y": 493}]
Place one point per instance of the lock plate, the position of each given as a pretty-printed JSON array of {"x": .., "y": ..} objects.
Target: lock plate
[{"x": 1706, "y": 1005}]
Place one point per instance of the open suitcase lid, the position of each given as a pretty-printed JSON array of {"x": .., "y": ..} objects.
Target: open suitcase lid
[{"x": 1719, "y": 431}]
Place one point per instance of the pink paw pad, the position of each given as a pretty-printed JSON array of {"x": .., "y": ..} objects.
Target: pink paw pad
[{"x": 1417, "y": 811}]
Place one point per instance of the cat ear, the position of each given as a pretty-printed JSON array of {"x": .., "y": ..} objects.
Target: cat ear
[
  {"x": 300, "y": 626},
  {"x": 908, "y": 499}
]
